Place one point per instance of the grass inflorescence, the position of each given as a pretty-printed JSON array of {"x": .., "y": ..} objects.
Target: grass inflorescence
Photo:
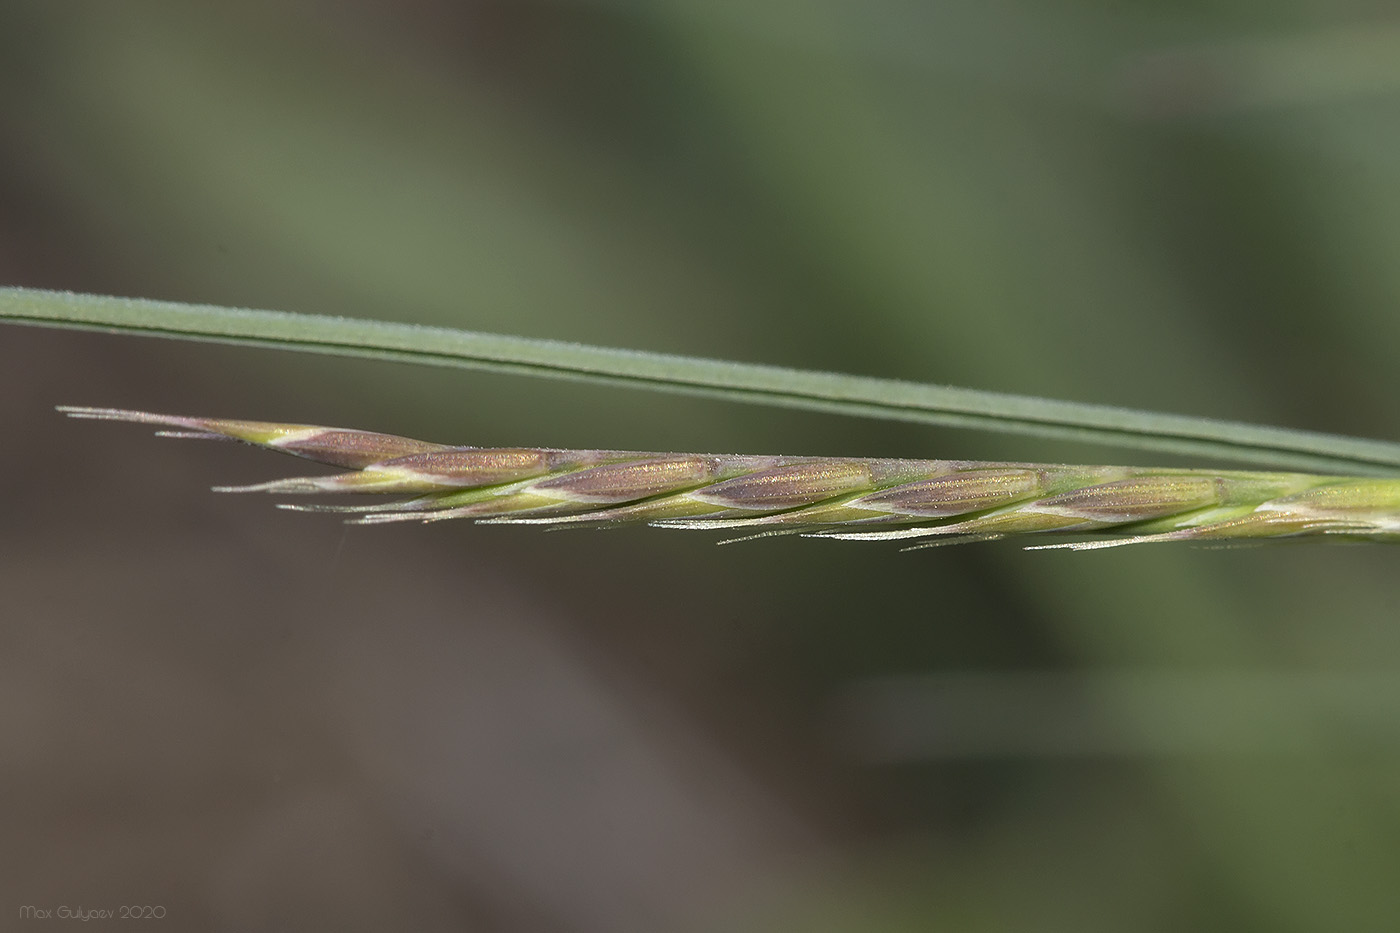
[{"x": 928, "y": 501}]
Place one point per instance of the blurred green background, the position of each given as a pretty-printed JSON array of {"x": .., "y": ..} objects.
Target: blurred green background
[{"x": 267, "y": 721}]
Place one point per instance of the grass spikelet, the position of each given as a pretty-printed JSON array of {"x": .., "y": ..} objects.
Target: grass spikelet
[{"x": 932, "y": 502}]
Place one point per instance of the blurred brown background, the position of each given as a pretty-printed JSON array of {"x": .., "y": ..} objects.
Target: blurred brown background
[{"x": 262, "y": 720}]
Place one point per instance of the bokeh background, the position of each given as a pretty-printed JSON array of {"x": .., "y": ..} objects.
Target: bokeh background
[{"x": 262, "y": 720}]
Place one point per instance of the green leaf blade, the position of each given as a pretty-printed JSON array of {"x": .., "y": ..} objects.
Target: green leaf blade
[{"x": 837, "y": 393}]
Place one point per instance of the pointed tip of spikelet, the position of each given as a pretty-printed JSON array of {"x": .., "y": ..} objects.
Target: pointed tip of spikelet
[
  {"x": 334, "y": 446},
  {"x": 262, "y": 433}
]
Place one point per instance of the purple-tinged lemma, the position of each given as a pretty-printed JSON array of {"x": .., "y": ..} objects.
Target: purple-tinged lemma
[{"x": 850, "y": 498}]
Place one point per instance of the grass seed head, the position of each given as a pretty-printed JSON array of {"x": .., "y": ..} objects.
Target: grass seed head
[{"x": 930, "y": 501}]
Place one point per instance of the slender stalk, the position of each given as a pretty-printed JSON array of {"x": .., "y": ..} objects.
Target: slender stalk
[
  {"x": 931, "y": 501},
  {"x": 770, "y": 385}
]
